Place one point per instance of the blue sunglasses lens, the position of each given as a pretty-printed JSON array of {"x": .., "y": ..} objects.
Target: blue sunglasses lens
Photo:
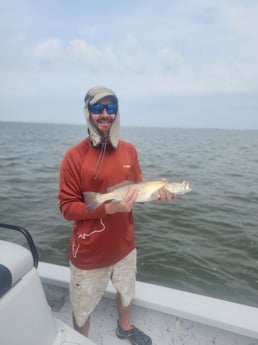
[
  {"x": 111, "y": 108},
  {"x": 98, "y": 108}
]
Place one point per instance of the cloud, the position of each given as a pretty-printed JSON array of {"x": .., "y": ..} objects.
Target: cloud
[
  {"x": 208, "y": 47},
  {"x": 148, "y": 51},
  {"x": 90, "y": 53},
  {"x": 84, "y": 51},
  {"x": 49, "y": 50},
  {"x": 149, "y": 71}
]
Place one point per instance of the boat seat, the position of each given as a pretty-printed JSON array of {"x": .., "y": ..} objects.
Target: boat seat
[
  {"x": 5, "y": 280},
  {"x": 15, "y": 262}
]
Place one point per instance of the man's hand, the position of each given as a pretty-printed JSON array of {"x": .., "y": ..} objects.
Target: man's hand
[
  {"x": 164, "y": 195},
  {"x": 125, "y": 205}
]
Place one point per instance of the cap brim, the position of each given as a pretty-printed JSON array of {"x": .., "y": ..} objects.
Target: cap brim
[{"x": 102, "y": 95}]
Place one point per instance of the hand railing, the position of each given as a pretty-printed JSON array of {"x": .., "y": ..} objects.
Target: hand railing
[{"x": 28, "y": 237}]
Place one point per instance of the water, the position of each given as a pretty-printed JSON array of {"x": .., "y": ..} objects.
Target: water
[{"x": 204, "y": 242}]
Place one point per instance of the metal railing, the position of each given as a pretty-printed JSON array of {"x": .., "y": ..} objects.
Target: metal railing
[{"x": 28, "y": 237}]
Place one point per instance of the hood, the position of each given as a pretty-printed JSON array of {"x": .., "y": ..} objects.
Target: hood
[{"x": 93, "y": 96}]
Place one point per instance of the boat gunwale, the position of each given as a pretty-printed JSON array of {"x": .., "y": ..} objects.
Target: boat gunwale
[{"x": 221, "y": 314}]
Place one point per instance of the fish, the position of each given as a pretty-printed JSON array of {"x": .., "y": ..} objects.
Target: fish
[{"x": 147, "y": 191}]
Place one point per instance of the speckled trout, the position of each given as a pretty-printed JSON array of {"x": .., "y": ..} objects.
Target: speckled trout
[{"x": 147, "y": 191}]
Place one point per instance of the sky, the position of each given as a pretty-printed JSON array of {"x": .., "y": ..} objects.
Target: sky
[{"x": 172, "y": 63}]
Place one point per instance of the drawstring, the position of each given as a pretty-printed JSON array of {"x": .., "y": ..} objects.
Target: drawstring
[{"x": 100, "y": 159}]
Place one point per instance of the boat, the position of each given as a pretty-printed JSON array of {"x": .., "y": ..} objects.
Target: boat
[{"x": 35, "y": 308}]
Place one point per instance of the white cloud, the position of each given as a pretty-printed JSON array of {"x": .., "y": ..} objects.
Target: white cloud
[
  {"x": 49, "y": 50},
  {"x": 91, "y": 55},
  {"x": 162, "y": 72},
  {"x": 84, "y": 51},
  {"x": 148, "y": 50}
]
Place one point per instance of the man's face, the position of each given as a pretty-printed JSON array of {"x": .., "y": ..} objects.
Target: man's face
[{"x": 104, "y": 120}]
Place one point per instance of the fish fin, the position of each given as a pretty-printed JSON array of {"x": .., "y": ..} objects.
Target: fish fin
[
  {"x": 119, "y": 185},
  {"x": 90, "y": 199}
]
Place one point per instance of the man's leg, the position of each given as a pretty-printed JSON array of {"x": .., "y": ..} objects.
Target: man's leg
[
  {"x": 125, "y": 330},
  {"x": 123, "y": 278},
  {"x": 123, "y": 313},
  {"x": 86, "y": 289},
  {"x": 84, "y": 329}
]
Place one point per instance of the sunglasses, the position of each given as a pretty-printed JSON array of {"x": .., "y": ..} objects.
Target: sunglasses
[{"x": 98, "y": 108}]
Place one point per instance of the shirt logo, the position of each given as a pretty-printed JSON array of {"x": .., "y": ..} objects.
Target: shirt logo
[{"x": 127, "y": 166}]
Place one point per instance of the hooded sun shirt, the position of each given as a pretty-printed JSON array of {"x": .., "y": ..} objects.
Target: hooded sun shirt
[
  {"x": 94, "y": 165},
  {"x": 93, "y": 96}
]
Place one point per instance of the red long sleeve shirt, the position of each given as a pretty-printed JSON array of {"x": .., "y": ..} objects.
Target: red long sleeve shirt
[{"x": 97, "y": 240}]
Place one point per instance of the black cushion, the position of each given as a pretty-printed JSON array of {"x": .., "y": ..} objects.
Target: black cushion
[{"x": 5, "y": 279}]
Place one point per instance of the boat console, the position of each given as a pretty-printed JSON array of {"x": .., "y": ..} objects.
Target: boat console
[{"x": 25, "y": 316}]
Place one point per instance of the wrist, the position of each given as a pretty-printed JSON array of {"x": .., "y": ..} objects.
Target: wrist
[{"x": 109, "y": 208}]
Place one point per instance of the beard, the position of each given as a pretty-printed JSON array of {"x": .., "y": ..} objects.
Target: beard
[{"x": 105, "y": 120}]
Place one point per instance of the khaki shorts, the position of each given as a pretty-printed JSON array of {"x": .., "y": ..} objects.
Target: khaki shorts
[{"x": 88, "y": 286}]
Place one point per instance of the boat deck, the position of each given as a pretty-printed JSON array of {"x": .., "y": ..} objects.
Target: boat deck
[
  {"x": 169, "y": 316},
  {"x": 103, "y": 322}
]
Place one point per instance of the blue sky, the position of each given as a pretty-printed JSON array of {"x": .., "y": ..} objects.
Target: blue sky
[{"x": 189, "y": 63}]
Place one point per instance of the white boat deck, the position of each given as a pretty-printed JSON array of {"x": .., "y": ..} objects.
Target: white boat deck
[{"x": 169, "y": 316}]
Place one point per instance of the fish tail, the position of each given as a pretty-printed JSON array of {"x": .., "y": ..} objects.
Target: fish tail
[{"x": 91, "y": 200}]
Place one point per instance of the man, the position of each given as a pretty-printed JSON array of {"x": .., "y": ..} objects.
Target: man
[{"x": 102, "y": 245}]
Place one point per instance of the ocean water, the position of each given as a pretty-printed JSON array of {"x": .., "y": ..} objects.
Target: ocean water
[{"x": 204, "y": 242}]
